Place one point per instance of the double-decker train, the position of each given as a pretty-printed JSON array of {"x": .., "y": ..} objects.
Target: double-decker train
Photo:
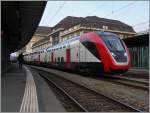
[{"x": 93, "y": 52}]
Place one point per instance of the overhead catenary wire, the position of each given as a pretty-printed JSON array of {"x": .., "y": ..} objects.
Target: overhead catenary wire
[
  {"x": 122, "y": 14},
  {"x": 126, "y": 12},
  {"x": 124, "y": 7},
  {"x": 83, "y": 20},
  {"x": 57, "y": 11},
  {"x": 95, "y": 9},
  {"x": 142, "y": 26},
  {"x": 141, "y": 23}
]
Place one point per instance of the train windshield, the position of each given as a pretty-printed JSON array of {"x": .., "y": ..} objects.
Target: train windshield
[{"x": 113, "y": 43}]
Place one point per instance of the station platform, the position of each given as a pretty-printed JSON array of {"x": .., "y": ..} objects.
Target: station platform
[{"x": 25, "y": 91}]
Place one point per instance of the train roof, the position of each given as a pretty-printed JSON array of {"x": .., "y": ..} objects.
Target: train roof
[
  {"x": 66, "y": 42},
  {"x": 105, "y": 33}
]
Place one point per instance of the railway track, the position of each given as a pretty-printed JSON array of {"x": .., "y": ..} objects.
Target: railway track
[
  {"x": 71, "y": 104},
  {"x": 127, "y": 81},
  {"x": 85, "y": 98},
  {"x": 135, "y": 73}
]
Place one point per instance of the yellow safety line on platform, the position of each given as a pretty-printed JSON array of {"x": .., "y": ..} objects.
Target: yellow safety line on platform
[{"x": 29, "y": 102}]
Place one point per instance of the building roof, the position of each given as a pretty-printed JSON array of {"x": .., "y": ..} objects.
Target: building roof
[
  {"x": 43, "y": 30},
  {"x": 93, "y": 21},
  {"x": 68, "y": 22},
  {"x": 46, "y": 39},
  {"x": 89, "y": 21}
]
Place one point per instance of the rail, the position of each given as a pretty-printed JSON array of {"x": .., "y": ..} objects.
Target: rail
[{"x": 80, "y": 94}]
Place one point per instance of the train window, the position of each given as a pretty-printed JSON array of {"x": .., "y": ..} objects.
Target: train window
[
  {"x": 77, "y": 54},
  {"x": 58, "y": 59},
  {"x": 62, "y": 59},
  {"x": 90, "y": 46},
  {"x": 113, "y": 42}
]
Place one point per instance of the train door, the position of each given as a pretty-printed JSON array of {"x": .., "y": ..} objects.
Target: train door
[
  {"x": 68, "y": 58},
  {"x": 82, "y": 57},
  {"x": 52, "y": 57},
  {"x": 45, "y": 57},
  {"x": 39, "y": 58}
]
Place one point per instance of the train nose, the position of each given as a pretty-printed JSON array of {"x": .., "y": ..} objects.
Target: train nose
[
  {"x": 120, "y": 56},
  {"x": 120, "y": 71}
]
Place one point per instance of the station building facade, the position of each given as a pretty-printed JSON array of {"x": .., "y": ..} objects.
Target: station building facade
[
  {"x": 68, "y": 28},
  {"x": 79, "y": 29},
  {"x": 74, "y": 26},
  {"x": 40, "y": 34}
]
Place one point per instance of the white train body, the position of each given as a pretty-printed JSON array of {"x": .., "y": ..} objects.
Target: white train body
[{"x": 93, "y": 52}]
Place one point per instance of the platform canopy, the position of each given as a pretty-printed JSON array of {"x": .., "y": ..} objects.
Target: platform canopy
[
  {"x": 19, "y": 22},
  {"x": 138, "y": 40}
]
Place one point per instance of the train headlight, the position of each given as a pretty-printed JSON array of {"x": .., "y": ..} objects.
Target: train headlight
[
  {"x": 125, "y": 54},
  {"x": 113, "y": 54}
]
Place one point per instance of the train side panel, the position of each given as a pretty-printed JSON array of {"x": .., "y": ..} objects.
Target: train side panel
[{"x": 74, "y": 49}]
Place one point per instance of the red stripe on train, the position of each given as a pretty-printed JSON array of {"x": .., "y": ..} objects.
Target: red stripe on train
[{"x": 104, "y": 53}]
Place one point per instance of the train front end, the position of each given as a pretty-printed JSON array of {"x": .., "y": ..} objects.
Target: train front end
[{"x": 115, "y": 54}]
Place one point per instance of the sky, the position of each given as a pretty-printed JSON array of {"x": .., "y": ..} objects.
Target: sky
[{"x": 133, "y": 13}]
